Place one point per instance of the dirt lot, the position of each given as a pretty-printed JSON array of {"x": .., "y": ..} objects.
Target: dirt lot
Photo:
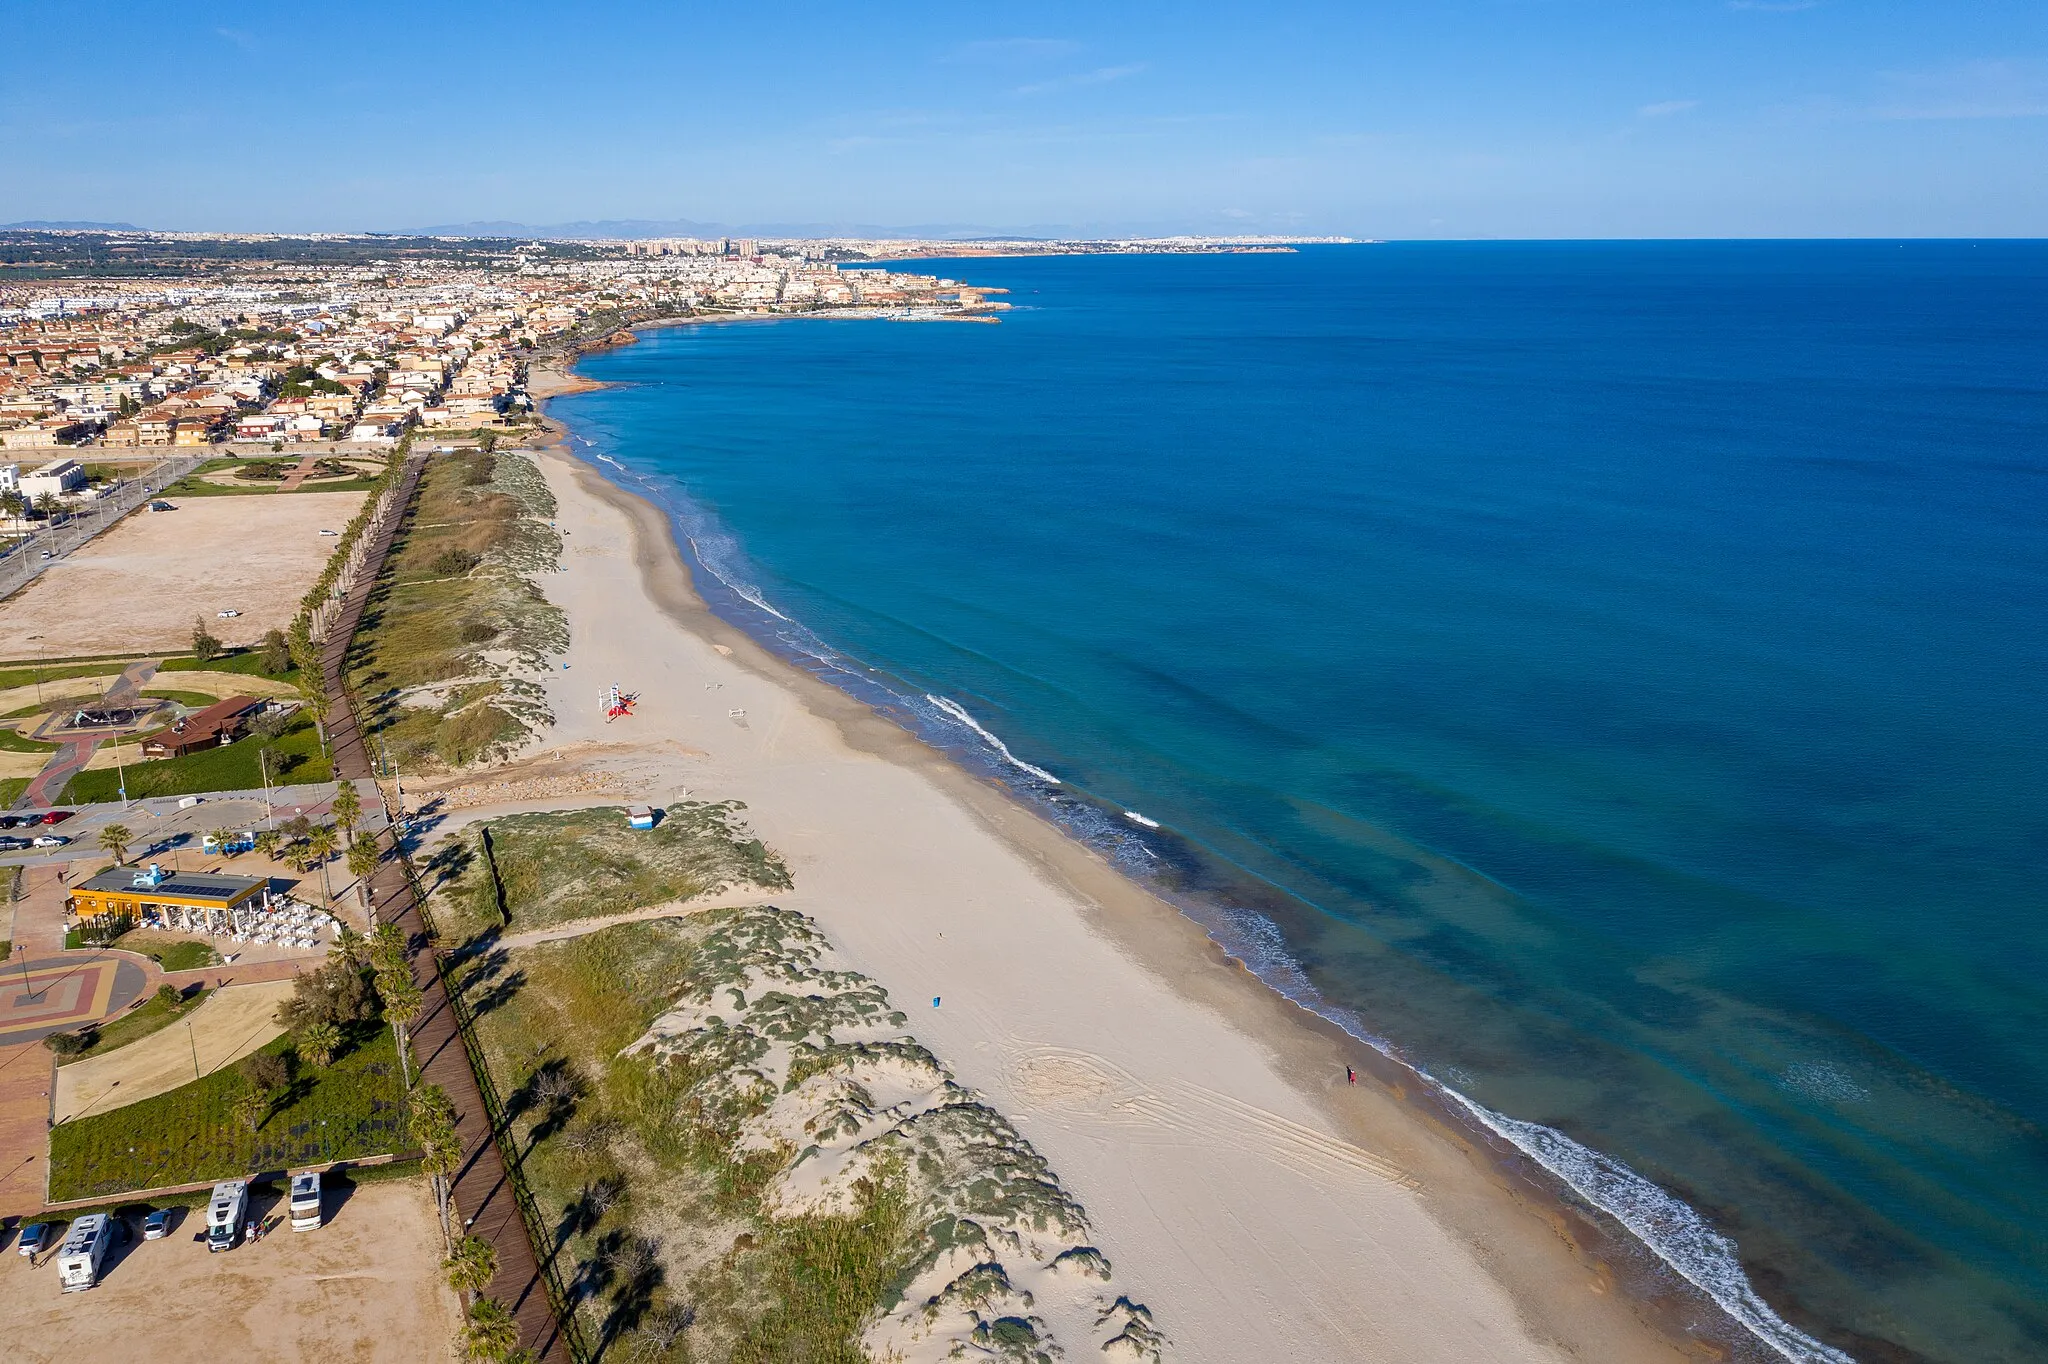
[
  {"x": 367, "y": 1286},
  {"x": 137, "y": 587}
]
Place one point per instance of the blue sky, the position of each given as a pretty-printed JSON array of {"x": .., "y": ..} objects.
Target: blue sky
[{"x": 1466, "y": 118}]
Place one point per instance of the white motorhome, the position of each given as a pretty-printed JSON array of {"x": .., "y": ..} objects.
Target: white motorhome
[
  {"x": 224, "y": 1214},
  {"x": 305, "y": 1202},
  {"x": 78, "y": 1263}
]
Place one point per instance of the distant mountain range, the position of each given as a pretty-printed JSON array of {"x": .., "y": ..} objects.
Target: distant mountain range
[{"x": 41, "y": 225}]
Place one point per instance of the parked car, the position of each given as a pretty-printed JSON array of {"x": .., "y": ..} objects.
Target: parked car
[
  {"x": 9, "y": 821},
  {"x": 36, "y": 1239},
  {"x": 227, "y": 615},
  {"x": 57, "y": 816},
  {"x": 157, "y": 1225},
  {"x": 49, "y": 841},
  {"x": 324, "y": 532},
  {"x": 9, "y": 843}
]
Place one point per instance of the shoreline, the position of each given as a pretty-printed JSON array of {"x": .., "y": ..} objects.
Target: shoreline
[{"x": 1578, "y": 1281}]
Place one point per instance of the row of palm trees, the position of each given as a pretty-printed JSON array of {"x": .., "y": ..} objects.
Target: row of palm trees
[{"x": 13, "y": 504}]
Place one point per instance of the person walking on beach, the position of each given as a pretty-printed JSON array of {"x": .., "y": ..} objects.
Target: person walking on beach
[{"x": 1350, "y": 1075}]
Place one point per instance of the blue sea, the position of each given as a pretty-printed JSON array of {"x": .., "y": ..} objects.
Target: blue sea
[{"x": 1613, "y": 677}]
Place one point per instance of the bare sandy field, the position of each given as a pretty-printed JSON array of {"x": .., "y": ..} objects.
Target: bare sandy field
[
  {"x": 365, "y": 1287},
  {"x": 1262, "y": 1207},
  {"x": 137, "y": 587}
]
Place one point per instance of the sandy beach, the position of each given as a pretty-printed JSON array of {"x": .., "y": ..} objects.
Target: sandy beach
[{"x": 1261, "y": 1206}]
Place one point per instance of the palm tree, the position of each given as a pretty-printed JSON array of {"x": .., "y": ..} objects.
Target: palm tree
[
  {"x": 252, "y": 1108},
  {"x": 348, "y": 807},
  {"x": 267, "y": 842},
  {"x": 222, "y": 838},
  {"x": 115, "y": 839},
  {"x": 348, "y": 946},
  {"x": 14, "y": 504},
  {"x": 432, "y": 1128},
  {"x": 472, "y": 1267},
  {"x": 320, "y": 846},
  {"x": 492, "y": 1334},
  {"x": 363, "y": 858},
  {"x": 318, "y": 1041}
]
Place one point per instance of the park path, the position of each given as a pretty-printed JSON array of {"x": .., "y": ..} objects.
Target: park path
[
  {"x": 73, "y": 754},
  {"x": 301, "y": 471},
  {"x": 27, "y": 1070},
  {"x": 482, "y": 1193},
  {"x": 674, "y": 909}
]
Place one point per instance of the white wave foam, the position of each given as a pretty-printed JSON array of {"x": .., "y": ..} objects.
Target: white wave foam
[
  {"x": 1668, "y": 1226},
  {"x": 734, "y": 584},
  {"x": 959, "y": 712}
]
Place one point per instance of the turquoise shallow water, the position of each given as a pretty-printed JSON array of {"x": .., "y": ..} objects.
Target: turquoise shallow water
[{"x": 1613, "y": 675}]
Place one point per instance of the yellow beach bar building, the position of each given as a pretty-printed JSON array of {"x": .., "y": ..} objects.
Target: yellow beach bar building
[{"x": 197, "y": 902}]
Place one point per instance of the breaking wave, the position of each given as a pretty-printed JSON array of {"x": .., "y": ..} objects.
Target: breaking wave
[
  {"x": 959, "y": 713},
  {"x": 1669, "y": 1226}
]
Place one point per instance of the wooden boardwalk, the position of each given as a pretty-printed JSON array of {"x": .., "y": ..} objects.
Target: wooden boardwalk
[{"x": 484, "y": 1198}]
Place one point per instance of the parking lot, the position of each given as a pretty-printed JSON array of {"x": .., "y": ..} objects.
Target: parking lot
[
  {"x": 366, "y": 1286},
  {"x": 168, "y": 825}
]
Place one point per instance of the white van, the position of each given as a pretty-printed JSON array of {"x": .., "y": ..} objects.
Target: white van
[
  {"x": 78, "y": 1263},
  {"x": 224, "y": 1214},
  {"x": 306, "y": 1201}
]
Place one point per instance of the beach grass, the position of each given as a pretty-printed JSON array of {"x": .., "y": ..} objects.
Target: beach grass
[
  {"x": 580, "y": 864},
  {"x": 453, "y": 619},
  {"x": 652, "y": 1205},
  {"x": 349, "y": 1109}
]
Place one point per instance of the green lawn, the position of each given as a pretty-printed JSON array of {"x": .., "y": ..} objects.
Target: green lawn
[
  {"x": 346, "y": 1111},
  {"x": 197, "y": 699},
  {"x": 295, "y": 758},
  {"x": 16, "y": 743},
  {"x": 22, "y": 675},
  {"x": 50, "y": 704},
  {"x": 245, "y": 662},
  {"x": 11, "y": 789},
  {"x": 136, "y": 1024},
  {"x": 187, "y": 955}
]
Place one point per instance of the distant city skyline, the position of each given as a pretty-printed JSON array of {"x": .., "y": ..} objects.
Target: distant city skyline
[{"x": 1477, "y": 118}]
